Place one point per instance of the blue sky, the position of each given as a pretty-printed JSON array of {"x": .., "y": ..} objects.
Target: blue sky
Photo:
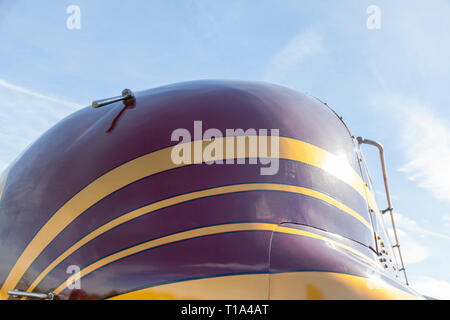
[{"x": 390, "y": 84}]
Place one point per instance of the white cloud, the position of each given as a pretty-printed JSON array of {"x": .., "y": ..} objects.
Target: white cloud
[
  {"x": 412, "y": 250},
  {"x": 431, "y": 287},
  {"x": 425, "y": 141},
  {"x": 10, "y": 86},
  {"x": 24, "y": 116},
  {"x": 446, "y": 221},
  {"x": 289, "y": 58},
  {"x": 410, "y": 234},
  {"x": 409, "y": 224}
]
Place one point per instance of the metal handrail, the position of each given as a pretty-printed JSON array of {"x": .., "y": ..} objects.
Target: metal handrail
[
  {"x": 388, "y": 197},
  {"x": 127, "y": 96},
  {"x": 25, "y": 294}
]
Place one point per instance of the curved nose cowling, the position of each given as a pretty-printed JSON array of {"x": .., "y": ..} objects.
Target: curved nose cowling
[{"x": 109, "y": 192}]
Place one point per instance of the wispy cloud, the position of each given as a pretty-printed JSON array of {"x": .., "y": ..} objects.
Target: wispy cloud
[
  {"x": 25, "y": 115},
  {"x": 427, "y": 144},
  {"x": 409, "y": 224},
  {"x": 425, "y": 141},
  {"x": 10, "y": 86},
  {"x": 412, "y": 250},
  {"x": 409, "y": 233},
  {"x": 289, "y": 58}
]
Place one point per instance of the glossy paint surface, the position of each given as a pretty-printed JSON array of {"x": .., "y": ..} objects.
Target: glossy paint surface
[{"x": 99, "y": 186}]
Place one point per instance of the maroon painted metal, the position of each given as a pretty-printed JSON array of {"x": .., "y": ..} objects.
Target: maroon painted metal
[{"x": 92, "y": 142}]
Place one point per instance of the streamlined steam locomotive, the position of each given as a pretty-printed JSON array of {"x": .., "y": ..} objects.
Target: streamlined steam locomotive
[{"x": 197, "y": 190}]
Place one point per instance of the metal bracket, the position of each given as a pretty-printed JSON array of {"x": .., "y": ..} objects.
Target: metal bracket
[{"x": 127, "y": 96}]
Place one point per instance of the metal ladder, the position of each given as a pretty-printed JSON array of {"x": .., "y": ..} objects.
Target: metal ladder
[{"x": 388, "y": 197}]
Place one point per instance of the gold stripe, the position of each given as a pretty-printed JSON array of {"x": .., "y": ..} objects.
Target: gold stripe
[
  {"x": 233, "y": 287},
  {"x": 190, "y": 234},
  {"x": 287, "y": 230},
  {"x": 290, "y": 285},
  {"x": 331, "y": 285},
  {"x": 292, "y": 149},
  {"x": 224, "y": 228},
  {"x": 150, "y": 164},
  {"x": 191, "y": 196}
]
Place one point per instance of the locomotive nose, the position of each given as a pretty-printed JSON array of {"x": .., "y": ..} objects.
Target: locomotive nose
[{"x": 182, "y": 193}]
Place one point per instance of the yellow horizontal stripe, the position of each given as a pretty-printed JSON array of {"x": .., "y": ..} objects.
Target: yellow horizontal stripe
[
  {"x": 292, "y": 149},
  {"x": 274, "y": 286},
  {"x": 150, "y": 164},
  {"x": 312, "y": 235},
  {"x": 203, "y": 232},
  {"x": 191, "y": 196},
  {"x": 338, "y": 166},
  {"x": 195, "y": 233},
  {"x": 235, "y": 287},
  {"x": 333, "y": 286}
]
